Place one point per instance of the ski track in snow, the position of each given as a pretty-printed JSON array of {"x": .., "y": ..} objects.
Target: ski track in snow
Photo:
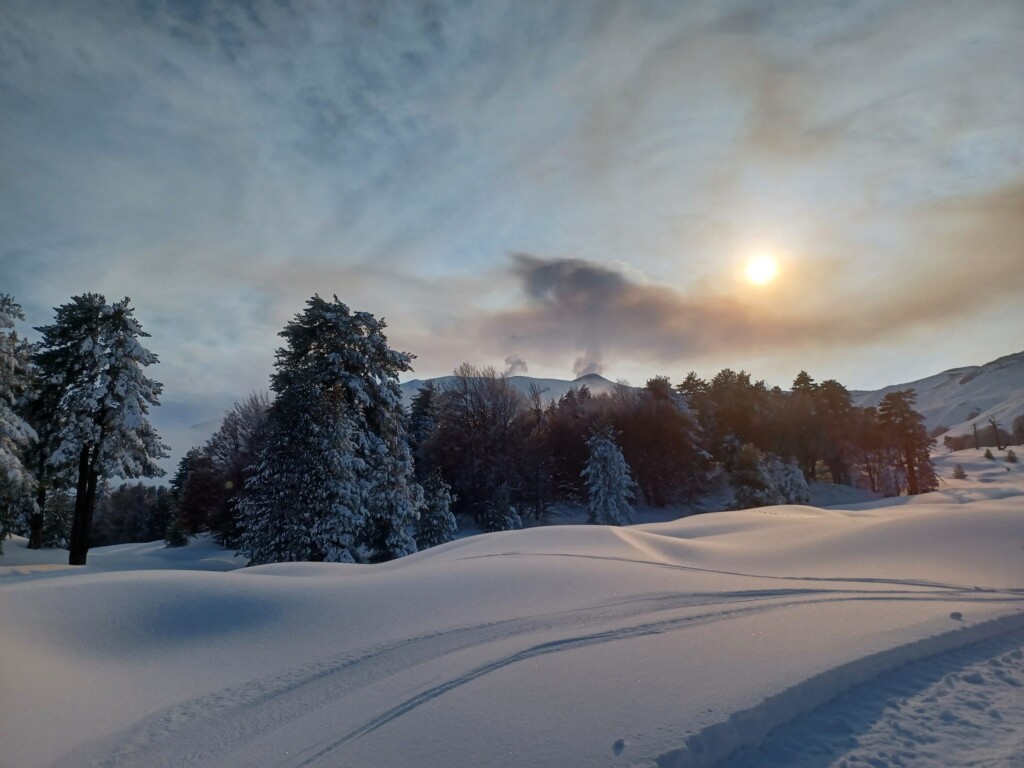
[
  {"x": 758, "y": 576},
  {"x": 964, "y": 707},
  {"x": 206, "y": 730}
]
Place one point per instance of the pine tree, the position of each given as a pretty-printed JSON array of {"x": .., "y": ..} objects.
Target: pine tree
[
  {"x": 336, "y": 473},
  {"x": 195, "y": 491},
  {"x": 16, "y": 482},
  {"x": 304, "y": 501},
  {"x": 91, "y": 367},
  {"x": 959, "y": 473},
  {"x": 437, "y": 524},
  {"x": 610, "y": 485},
  {"x": 422, "y": 422},
  {"x": 500, "y": 514},
  {"x": 762, "y": 480},
  {"x": 904, "y": 430}
]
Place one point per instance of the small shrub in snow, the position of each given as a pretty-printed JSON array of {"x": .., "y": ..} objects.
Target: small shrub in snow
[
  {"x": 1011, "y": 456},
  {"x": 988, "y": 453},
  {"x": 610, "y": 485},
  {"x": 958, "y": 472}
]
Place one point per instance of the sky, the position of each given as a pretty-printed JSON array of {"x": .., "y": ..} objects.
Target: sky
[{"x": 551, "y": 188}]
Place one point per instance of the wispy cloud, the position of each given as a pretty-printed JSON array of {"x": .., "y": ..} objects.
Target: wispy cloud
[{"x": 221, "y": 161}]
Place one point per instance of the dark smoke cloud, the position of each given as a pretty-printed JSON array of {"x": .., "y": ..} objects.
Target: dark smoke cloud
[
  {"x": 515, "y": 365},
  {"x": 590, "y": 311}
]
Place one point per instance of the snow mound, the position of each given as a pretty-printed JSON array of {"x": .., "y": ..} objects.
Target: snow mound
[
  {"x": 202, "y": 553},
  {"x": 673, "y": 643}
]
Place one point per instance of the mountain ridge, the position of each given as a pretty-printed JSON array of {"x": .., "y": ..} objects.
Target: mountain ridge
[
  {"x": 954, "y": 398},
  {"x": 958, "y": 397}
]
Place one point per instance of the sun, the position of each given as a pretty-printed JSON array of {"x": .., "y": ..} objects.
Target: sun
[{"x": 761, "y": 269}]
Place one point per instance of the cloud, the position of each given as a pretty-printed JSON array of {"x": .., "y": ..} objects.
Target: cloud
[
  {"x": 221, "y": 162},
  {"x": 575, "y": 308}
]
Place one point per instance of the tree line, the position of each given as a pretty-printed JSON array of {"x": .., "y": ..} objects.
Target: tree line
[{"x": 331, "y": 466}]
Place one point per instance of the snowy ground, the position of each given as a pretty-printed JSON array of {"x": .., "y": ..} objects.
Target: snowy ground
[{"x": 887, "y": 633}]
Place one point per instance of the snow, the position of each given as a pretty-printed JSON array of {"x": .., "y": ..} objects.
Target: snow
[
  {"x": 994, "y": 390},
  {"x": 550, "y": 389},
  {"x": 959, "y": 708},
  {"x": 864, "y": 634}
]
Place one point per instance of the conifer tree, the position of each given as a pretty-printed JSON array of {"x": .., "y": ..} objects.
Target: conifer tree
[
  {"x": 336, "y": 472},
  {"x": 422, "y": 422},
  {"x": 609, "y": 483},
  {"x": 303, "y": 502},
  {"x": 91, "y": 367},
  {"x": 500, "y": 514},
  {"x": 437, "y": 524},
  {"x": 905, "y": 432},
  {"x": 762, "y": 480},
  {"x": 16, "y": 482}
]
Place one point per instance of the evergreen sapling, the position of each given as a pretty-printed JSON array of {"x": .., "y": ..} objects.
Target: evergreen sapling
[{"x": 609, "y": 483}]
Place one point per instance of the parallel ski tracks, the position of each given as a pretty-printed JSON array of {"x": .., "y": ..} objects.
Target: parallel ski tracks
[{"x": 206, "y": 731}]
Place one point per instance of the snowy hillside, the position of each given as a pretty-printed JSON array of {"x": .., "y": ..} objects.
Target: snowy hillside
[
  {"x": 550, "y": 389},
  {"x": 672, "y": 644},
  {"x": 960, "y": 396}
]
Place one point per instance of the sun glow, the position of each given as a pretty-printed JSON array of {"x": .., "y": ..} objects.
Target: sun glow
[{"x": 761, "y": 269}]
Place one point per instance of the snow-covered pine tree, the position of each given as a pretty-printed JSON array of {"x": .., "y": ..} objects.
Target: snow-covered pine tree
[
  {"x": 16, "y": 481},
  {"x": 91, "y": 363},
  {"x": 437, "y": 524},
  {"x": 304, "y": 500},
  {"x": 336, "y": 473},
  {"x": 393, "y": 497},
  {"x": 787, "y": 480},
  {"x": 500, "y": 514},
  {"x": 762, "y": 480},
  {"x": 609, "y": 483}
]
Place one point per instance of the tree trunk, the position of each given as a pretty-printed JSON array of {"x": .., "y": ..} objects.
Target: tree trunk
[
  {"x": 913, "y": 488},
  {"x": 36, "y": 520},
  {"x": 82, "y": 523}
]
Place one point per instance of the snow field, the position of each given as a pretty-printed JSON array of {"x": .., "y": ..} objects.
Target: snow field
[
  {"x": 964, "y": 707},
  {"x": 672, "y": 644}
]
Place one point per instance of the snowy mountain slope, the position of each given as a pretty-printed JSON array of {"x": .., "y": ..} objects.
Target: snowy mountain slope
[
  {"x": 960, "y": 396},
  {"x": 671, "y": 644},
  {"x": 550, "y": 389},
  {"x": 956, "y": 398}
]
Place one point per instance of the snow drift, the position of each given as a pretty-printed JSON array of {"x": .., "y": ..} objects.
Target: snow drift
[{"x": 672, "y": 644}]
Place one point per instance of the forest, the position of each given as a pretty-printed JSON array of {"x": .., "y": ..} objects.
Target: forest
[{"x": 331, "y": 465}]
